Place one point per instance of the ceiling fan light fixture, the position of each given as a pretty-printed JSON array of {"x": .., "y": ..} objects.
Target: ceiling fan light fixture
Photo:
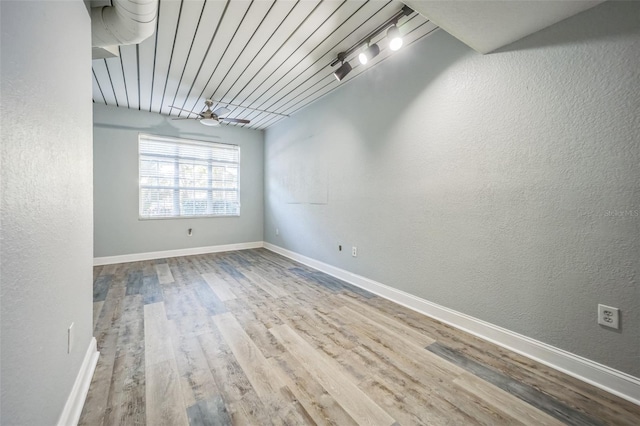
[
  {"x": 342, "y": 72},
  {"x": 370, "y": 52},
  {"x": 395, "y": 39},
  {"x": 210, "y": 122}
]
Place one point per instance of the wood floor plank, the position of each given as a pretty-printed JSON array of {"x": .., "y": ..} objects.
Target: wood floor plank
[
  {"x": 270, "y": 288},
  {"x": 520, "y": 390},
  {"x": 157, "y": 343},
  {"x": 164, "y": 273},
  {"x": 106, "y": 333},
  {"x": 263, "y": 312},
  {"x": 97, "y": 270},
  {"x": 109, "y": 269},
  {"x": 570, "y": 391},
  {"x": 258, "y": 331},
  {"x": 197, "y": 383},
  {"x": 418, "y": 395},
  {"x": 165, "y": 405},
  {"x": 193, "y": 325},
  {"x": 243, "y": 404},
  {"x": 237, "y": 258},
  {"x": 219, "y": 286},
  {"x": 101, "y": 287},
  {"x": 207, "y": 298},
  {"x": 230, "y": 269},
  {"x": 109, "y": 320},
  {"x": 435, "y": 382},
  {"x": 151, "y": 291},
  {"x": 181, "y": 300},
  {"x": 248, "y": 355},
  {"x": 290, "y": 283},
  {"x": 504, "y": 401},
  {"x": 134, "y": 282},
  {"x": 448, "y": 335},
  {"x": 322, "y": 407},
  {"x": 210, "y": 412},
  {"x": 126, "y": 397},
  {"x": 97, "y": 308},
  {"x": 197, "y": 265},
  {"x": 329, "y": 375},
  {"x": 327, "y": 281},
  {"x": 388, "y": 322},
  {"x": 320, "y": 332},
  {"x": 245, "y": 288},
  {"x": 280, "y": 262},
  {"x": 268, "y": 386},
  {"x": 385, "y": 330},
  {"x": 399, "y": 405},
  {"x": 148, "y": 269},
  {"x": 164, "y": 401},
  {"x": 397, "y": 343}
]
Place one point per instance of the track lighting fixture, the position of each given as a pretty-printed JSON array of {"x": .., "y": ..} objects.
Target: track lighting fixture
[
  {"x": 342, "y": 72},
  {"x": 372, "y": 50},
  {"x": 395, "y": 40},
  {"x": 369, "y": 53}
]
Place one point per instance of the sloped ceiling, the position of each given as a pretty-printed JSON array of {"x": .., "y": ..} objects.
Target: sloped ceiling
[
  {"x": 268, "y": 55},
  {"x": 488, "y": 25}
]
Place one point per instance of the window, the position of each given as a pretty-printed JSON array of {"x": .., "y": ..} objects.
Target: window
[{"x": 185, "y": 178}]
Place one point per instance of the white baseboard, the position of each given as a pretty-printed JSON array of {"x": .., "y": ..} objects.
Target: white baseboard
[
  {"x": 601, "y": 376},
  {"x": 73, "y": 408},
  {"x": 135, "y": 257}
]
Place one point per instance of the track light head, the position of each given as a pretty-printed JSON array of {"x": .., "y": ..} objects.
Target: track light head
[
  {"x": 342, "y": 72},
  {"x": 369, "y": 53},
  {"x": 395, "y": 40}
]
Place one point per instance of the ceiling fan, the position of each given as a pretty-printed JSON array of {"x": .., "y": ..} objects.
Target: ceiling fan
[{"x": 211, "y": 118}]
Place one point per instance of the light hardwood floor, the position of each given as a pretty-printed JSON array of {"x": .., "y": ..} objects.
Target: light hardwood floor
[{"x": 253, "y": 338}]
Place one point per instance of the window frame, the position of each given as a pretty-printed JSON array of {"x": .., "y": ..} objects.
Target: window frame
[{"x": 176, "y": 189}]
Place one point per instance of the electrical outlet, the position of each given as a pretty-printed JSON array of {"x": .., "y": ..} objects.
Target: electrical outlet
[
  {"x": 277, "y": 231},
  {"x": 190, "y": 232},
  {"x": 339, "y": 247},
  {"x": 354, "y": 251},
  {"x": 608, "y": 316},
  {"x": 69, "y": 338}
]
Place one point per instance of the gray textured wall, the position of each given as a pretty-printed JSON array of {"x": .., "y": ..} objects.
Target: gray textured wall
[
  {"x": 117, "y": 228},
  {"x": 504, "y": 186},
  {"x": 46, "y": 205}
]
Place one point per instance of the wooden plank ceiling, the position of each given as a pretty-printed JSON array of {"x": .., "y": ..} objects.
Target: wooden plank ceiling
[{"x": 262, "y": 54}]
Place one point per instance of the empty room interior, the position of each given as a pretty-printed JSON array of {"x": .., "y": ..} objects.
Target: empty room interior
[{"x": 330, "y": 212}]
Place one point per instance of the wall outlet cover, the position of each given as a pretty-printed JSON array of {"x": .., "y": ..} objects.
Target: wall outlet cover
[{"x": 609, "y": 316}]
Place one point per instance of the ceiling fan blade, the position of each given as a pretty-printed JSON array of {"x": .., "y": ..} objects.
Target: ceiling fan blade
[
  {"x": 252, "y": 109},
  {"x": 221, "y": 112},
  {"x": 236, "y": 120},
  {"x": 186, "y": 118},
  {"x": 185, "y": 110}
]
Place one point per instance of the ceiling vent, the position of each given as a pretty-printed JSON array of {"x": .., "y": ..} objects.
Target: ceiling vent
[{"x": 125, "y": 22}]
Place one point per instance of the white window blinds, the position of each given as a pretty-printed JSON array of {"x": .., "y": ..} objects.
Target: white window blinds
[{"x": 185, "y": 178}]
